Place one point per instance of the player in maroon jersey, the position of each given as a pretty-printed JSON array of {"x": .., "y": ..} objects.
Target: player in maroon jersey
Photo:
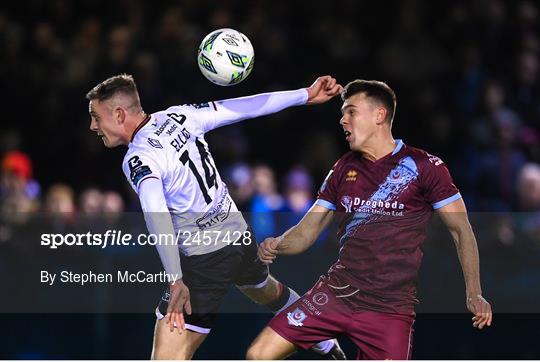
[{"x": 383, "y": 193}]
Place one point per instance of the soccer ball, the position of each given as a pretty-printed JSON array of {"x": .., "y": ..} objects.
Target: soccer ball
[{"x": 226, "y": 57}]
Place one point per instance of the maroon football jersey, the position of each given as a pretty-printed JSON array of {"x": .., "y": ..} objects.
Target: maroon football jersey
[{"x": 383, "y": 208}]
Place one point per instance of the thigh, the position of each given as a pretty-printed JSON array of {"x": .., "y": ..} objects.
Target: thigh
[
  {"x": 317, "y": 316},
  {"x": 381, "y": 335},
  {"x": 270, "y": 346},
  {"x": 173, "y": 345}
]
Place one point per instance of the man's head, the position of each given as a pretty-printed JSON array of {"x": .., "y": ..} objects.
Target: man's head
[
  {"x": 368, "y": 109},
  {"x": 114, "y": 107}
]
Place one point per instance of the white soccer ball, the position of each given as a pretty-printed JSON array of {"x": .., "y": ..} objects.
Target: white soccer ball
[{"x": 226, "y": 57}]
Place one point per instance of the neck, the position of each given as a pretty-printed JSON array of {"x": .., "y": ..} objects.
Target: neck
[
  {"x": 378, "y": 147},
  {"x": 133, "y": 126}
]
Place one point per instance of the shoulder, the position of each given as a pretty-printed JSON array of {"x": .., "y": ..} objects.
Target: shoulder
[
  {"x": 349, "y": 160},
  {"x": 139, "y": 153},
  {"x": 423, "y": 158},
  {"x": 192, "y": 109},
  {"x": 431, "y": 168},
  {"x": 191, "y": 116}
]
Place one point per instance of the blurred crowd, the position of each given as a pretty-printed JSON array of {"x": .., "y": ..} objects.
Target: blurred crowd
[
  {"x": 255, "y": 189},
  {"x": 466, "y": 74}
]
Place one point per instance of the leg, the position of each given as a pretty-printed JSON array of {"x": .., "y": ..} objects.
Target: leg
[
  {"x": 278, "y": 297},
  {"x": 382, "y": 335},
  {"x": 263, "y": 293},
  {"x": 172, "y": 345},
  {"x": 208, "y": 277},
  {"x": 301, "y": 322},
  {"x": 269, "y": 345}
]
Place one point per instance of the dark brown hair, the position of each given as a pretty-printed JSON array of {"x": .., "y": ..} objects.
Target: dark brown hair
[
  {"x": 374, "y": 89},
  {"x": 122, "y": 83}
]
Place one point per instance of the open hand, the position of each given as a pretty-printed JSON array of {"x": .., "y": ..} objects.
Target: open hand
[{"x": 178, "y": 303}]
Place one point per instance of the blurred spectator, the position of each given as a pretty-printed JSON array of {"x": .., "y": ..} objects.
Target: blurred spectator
[
  {"x": 113, "y": 206},
  {"x": 266, "y": 196},
  {"x": 60, "y": 202},
  {"x": 239, "y": 179},
  {"x": 18, "y": 192},
  {"x": 299, "y": 197},
  {"x": 499, "y": 159},
  {"x": 298, "y": 190},
  {"x": 265, "y": 202},
  {"x": 85, "y": 53},
  {"x": 112, "y": 202},
  {"x": 91, "y": 202},
  {"x": 525, "y": 89},
  {"x": 484, "y": 130},
  {"x": 529, "y": 187},
  {"x": 528, "y": 221},
  {"x": 468, "y": 79}
]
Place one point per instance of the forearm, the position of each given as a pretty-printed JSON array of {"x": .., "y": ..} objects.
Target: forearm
[
  {"x": 234, "y": 110},
  {"x": 301, "y": 236},
  {"x": 467, "y": 250},
  {"x": 294, "y": 241}
]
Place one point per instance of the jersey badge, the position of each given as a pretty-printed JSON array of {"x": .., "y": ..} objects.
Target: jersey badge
[
  {"x": 200, "y": 105},
  {"x": 137, "y": 170},
  {"x": 351, "y": 175},
  {"x": 154, "y": 143},
  {"x": 296, "y": 317}
]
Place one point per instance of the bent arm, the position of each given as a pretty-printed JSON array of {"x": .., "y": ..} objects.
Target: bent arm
[
  {"x": 454, "y": 215},
  {"x": 159, "y": 222},
  {"x": 234, "y": 110},
  {"x": 301, "y": 236}
]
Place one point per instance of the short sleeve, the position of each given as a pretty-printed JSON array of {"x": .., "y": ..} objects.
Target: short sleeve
[
  {"x": 327, "y": 195},
  {"x": 439, "y": 188},
  {"x": 138, "y": 166}
]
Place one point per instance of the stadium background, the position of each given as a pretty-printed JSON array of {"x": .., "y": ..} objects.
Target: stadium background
[{"x": 466, "y": 74}]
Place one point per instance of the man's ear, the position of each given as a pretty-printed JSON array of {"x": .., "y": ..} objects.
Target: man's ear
[
  {"x": 381, "y": 115},
  {"x": 119, "y": 115}
]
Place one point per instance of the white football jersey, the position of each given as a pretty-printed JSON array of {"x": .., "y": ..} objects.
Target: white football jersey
[{"x": 170, "y": 146}]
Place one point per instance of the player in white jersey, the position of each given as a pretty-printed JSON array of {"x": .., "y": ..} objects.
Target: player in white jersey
[{"x": 170, "y": 167}]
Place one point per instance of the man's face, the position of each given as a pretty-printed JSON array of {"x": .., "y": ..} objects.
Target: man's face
[
  {"x": 361, "y": 117},
  {"x": 104, "y": 123}
]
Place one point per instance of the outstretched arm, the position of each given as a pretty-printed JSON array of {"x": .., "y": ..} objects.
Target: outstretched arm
[
  {"x": 454, "y": 215},
  {"x": 298, "y": 238},
  {"x": 234, "y": 110}
]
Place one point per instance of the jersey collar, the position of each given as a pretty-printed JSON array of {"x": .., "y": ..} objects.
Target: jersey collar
[
  {"x": 399, "y": 145},
  {"x": 141, "y": 125}
]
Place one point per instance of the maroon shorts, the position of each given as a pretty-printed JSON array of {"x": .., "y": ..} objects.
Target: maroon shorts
[{"x": 320, "y": 315}]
